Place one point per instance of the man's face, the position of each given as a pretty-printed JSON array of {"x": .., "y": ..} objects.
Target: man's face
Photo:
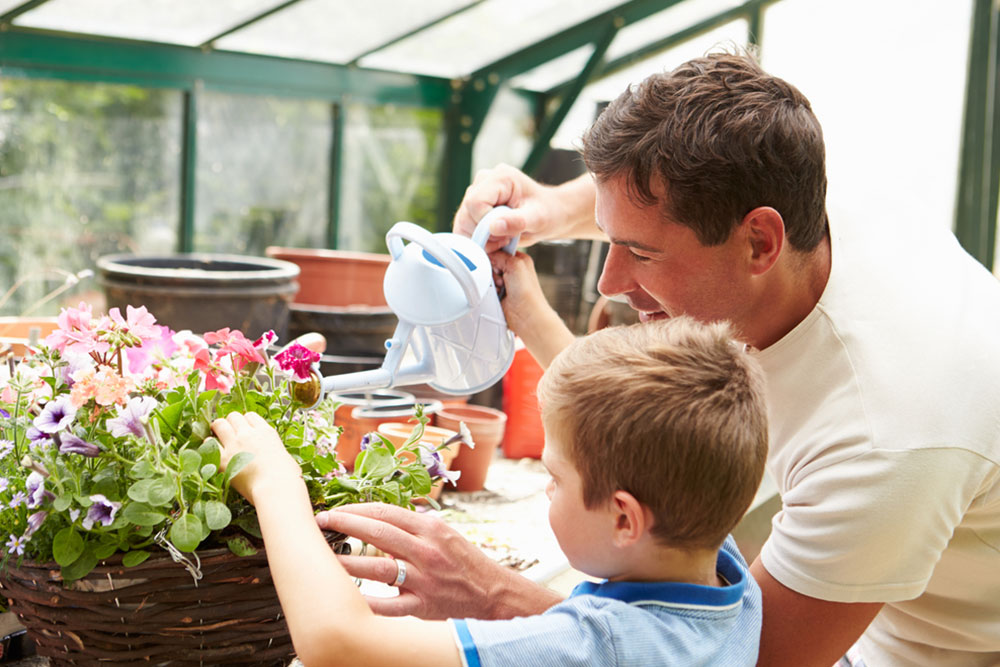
[{"x": 661, "y": 268}]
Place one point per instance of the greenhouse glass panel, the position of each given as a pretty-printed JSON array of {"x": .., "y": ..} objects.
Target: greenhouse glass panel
[
  {"x": 669, "y": 21},
  {"x": 85, "y": 170},
  {"x": 188, "y": 22},
  {"x": 483, "y": 34},
  {"x": 581, "y": 115},
  {"x": 262, "y": 173},
  {"x": 335, "y": 31},
  {"x": 7, "y": 5},
  {"x": 391, "y": 171},
  {"x": 891, "y": 112}
]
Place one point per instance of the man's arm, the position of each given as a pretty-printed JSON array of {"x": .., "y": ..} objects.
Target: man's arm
[{"x": 800, "y": 631}]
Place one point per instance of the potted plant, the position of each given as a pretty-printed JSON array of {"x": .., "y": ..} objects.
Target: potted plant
[{"x": 121, "y": 538}]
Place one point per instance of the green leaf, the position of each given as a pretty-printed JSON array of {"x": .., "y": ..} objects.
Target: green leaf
[
  {"x": 208, "y": 471},
  {"x": 248, "y": 522},
  {"x": 107, "y": 487},
  {"x": 378, "y": 464},
  {"x": 142, "y": 514},
  {"x": 210, "y": 452},
  {"x": 217, "y": 515},
  {"x": 236, "y": 464},
  {"x": 420, "y": 480},
  {"x": 241, "y": 546},
  {"x": 323, "y": 464},
  {"x": 133, "y": 558},
  {"x": 140, "y": 490},
  {"x": 141, "y": 470},
  {"x": 186, "y": 532},
  {"x": 104, "y": 550},
  {"x": 81, "y": 567},
  {"x": 170, "y": 415},
  {"x": 61, "y": 503},
  {"x": 190, "y": 461},
  {"x": 390, "y": 492},
  {"x": 162, "y": 491},
  {"x": 67, "y": 546}
]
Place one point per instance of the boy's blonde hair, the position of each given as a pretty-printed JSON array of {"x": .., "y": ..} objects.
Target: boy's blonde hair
[{"x": 671, "y": 411}]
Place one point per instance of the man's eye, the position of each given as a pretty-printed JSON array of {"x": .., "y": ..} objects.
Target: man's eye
[{"x": 639, "y": 258}]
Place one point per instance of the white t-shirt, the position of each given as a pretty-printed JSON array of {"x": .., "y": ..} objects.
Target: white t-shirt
[{"x": 884, "y": 405}]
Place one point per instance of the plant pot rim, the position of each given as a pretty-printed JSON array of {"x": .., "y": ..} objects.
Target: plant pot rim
[
  {"x": 480, "y": 414},
  {"x": 138, "y": 266},
  {"x": 327, "y": 253}
]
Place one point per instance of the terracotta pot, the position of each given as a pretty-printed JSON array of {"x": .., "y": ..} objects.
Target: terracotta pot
[
  {"x": 348, "y": 445},
  {"x": 360, "y": 415},
  {"x": 524, "y": 436},
  {"x": 16, "y": 333},
  {"x": 336, "y": 277},
  {"x": 487, "y": 426}
]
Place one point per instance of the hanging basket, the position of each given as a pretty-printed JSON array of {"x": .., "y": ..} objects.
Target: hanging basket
[{"x": 154, "y": 612}]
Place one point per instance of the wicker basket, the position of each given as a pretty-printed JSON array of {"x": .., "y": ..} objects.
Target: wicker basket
[{"x": 154, "y": 613}]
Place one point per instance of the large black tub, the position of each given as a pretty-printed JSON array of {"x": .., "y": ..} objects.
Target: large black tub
[{"x": 204, "y": 292}]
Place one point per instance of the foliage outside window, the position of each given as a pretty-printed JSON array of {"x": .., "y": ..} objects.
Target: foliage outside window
[{"x": 85, "y": 170}]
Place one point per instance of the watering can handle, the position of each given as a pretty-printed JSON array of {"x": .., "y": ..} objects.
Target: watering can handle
[
  {"x": 482, "y": 233},
  {"x": 416, "y": 234}
]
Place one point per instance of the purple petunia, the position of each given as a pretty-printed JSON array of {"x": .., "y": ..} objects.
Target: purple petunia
[
  {"x": 56, "y": 415},
  {"x": 102, "y": 511},
  {"x": 71, "y": 444},
  {"x": 37, "y": 439},
  {"x": 435, "y": 466},
  {"x": 130, "y": 416},
  {"x": 366, "y": 442},
  {"x": 35, "y": 522},
  {"x": 35, "y": 486}
]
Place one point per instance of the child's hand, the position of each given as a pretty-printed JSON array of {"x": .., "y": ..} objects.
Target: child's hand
[{"x": 272, "y": 464}]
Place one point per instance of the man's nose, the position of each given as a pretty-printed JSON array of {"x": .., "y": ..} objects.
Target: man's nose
[{"x": 614, "y": 278}]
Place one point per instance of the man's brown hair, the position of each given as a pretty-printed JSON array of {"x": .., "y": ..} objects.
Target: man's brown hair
[
  {"x": 672, "y": 412},
  {"x": 723, "y": 137}
]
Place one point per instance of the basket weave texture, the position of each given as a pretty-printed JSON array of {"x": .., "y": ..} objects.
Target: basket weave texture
[{"x": 154, "y": 613}]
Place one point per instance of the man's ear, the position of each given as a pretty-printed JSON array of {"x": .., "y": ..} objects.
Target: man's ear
[
  {"x": 765, "y": 234},
  {"x": 632, "y": 519}
]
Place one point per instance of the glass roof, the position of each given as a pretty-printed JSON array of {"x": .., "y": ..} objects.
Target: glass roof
[
  {"x": 186, "y": 22},
  {"x": 336, "y": 31},
  {"x": 443, "y": 38}
]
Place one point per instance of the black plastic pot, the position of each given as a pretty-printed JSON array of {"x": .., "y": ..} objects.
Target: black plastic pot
[{"x": 204, "y": 292}]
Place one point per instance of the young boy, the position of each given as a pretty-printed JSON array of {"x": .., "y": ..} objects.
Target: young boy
[{"x": 656, "y": 437}]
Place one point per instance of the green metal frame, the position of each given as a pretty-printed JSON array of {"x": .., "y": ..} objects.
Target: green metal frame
[
  {"x": 979, "y": 166},
  {"x": 473, "y": 95}
]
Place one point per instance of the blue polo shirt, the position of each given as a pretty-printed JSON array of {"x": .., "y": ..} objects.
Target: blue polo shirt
[{"x": 630, "y": 623}]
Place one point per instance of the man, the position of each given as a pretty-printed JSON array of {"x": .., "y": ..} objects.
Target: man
[{"x": 882, "y": 358}]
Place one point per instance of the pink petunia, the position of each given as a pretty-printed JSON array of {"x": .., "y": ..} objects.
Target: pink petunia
[
  {"x": 138, "y": 321},
  {"x": 216, "y": 376},
  {"x": 78, "y": 331},
  {"x": 298, "y": 359},
  {"x": 235, "y": 343},
  {"x": 152, "y": 350}
]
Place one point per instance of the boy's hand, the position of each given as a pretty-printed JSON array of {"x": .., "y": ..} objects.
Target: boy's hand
[{"x": 272, "y": 464}]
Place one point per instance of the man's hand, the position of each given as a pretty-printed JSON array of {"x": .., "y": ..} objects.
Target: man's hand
[
  {"x": 446, "y": 575},
  {"x": 540, "y": 212}
]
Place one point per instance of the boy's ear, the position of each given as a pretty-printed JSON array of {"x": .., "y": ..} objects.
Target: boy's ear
[
  {"x": 765, "y": 232},
  {"x": 632, "y": 519}
]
